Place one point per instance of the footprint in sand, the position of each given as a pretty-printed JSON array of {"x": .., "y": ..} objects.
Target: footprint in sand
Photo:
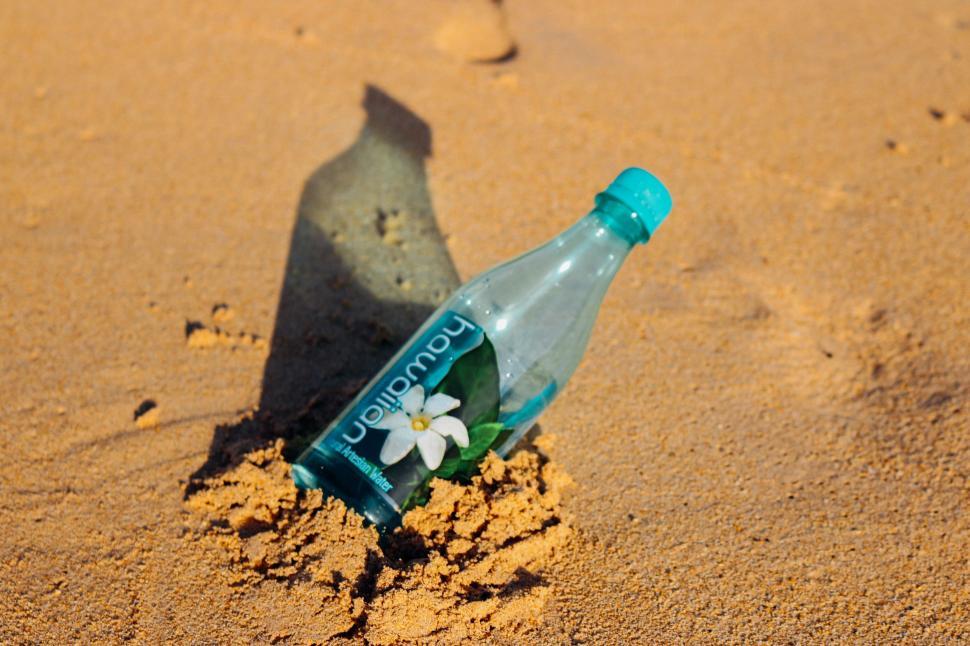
[{"x": 476, "y": 31}]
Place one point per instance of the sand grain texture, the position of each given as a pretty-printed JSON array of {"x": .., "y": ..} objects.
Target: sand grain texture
[
  {"x": 469, "y": 565},
  {"x": 768, "y": 435}
]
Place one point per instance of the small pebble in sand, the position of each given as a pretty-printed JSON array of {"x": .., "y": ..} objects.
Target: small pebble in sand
[
  {"x": 389, "y": 225},
  {"x": 943, "y": 116},
  {"x": 897, "y": 147},
  {"x": 222, "y": 313},
  {"x": 404, "y": 283},
  {"x": 147, "y": 415}
]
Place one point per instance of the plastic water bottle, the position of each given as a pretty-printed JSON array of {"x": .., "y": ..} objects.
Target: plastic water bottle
[{"x": 481, "y": 369}]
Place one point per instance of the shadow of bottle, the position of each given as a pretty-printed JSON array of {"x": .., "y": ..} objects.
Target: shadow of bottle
[{"x": 367, "y": 265}]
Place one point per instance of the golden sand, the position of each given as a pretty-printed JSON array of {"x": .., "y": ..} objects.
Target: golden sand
[{"x": 768, "y": 435}]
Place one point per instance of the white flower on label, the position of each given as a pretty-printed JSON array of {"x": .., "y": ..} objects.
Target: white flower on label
[{"x": 423, "y": 423}]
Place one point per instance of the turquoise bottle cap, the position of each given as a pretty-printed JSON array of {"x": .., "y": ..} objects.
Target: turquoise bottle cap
[{"x": 644, "y": 194}]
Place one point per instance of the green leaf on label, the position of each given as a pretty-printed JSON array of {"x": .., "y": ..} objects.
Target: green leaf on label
[
  {"x": 462, "y": 463},
  {"x": 448, "y": 467},
  {"x": 473, "y": 380},
  {"x": 480, "y": 439}
]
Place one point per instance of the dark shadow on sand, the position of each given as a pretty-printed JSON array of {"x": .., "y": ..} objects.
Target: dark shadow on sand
[{"x": 367, "y": 265}]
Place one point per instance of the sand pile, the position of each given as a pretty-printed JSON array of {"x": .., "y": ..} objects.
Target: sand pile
[{"x": 469, "y": 565}]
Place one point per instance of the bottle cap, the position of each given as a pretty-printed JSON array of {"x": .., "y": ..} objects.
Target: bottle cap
[{"x": 644, "y": 194}]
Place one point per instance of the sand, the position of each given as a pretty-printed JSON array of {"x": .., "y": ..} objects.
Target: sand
[
  {"x": 218, "y": 220},
  {"x": 466, "y": 566}
]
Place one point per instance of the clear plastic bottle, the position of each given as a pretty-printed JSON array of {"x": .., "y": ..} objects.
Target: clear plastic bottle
[{"x": 481, "y": 369}]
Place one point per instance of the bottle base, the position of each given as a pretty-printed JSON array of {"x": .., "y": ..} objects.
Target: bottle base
[{"x": 359, "y": 496}]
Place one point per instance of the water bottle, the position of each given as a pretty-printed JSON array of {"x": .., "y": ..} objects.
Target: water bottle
[{"x": 486, "y": 363}]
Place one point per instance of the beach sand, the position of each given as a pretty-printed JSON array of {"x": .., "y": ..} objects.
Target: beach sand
[{"x": 218, "y": 219}]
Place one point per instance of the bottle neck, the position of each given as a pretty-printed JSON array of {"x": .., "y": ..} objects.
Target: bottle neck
[
  {"x": 592, "y": 250},
  {"x": 620, "y": 220},
  {"x": 607, "y": 234}
]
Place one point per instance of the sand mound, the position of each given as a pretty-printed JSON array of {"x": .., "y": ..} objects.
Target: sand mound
[
  {"x": 476, "y": 31},
  {"x": 468, "y": 565},
  {"x": 200, "y": 337}
]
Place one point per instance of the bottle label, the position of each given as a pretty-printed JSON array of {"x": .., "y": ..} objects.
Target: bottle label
[{"x": 433, "y": 413}]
